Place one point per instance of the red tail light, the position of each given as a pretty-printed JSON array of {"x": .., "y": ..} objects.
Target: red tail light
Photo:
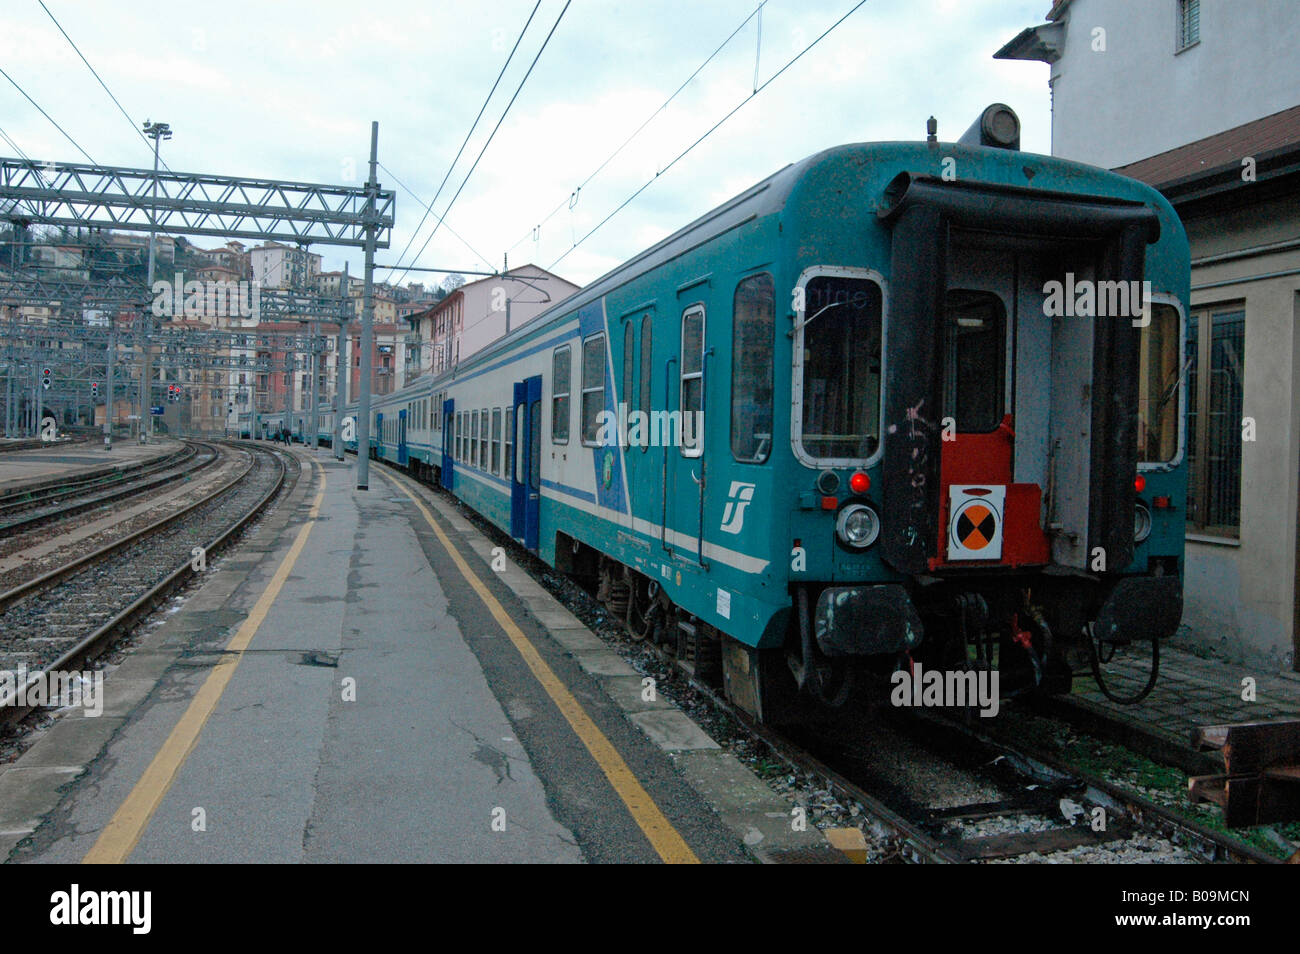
[{"x": 859, "y": 483}]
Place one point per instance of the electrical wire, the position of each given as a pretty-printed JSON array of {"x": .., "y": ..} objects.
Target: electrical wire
[
  {"x": 474, "y": 125},
  {"x": 505, "y": 113},
  {"x": 709, "y": 133}
]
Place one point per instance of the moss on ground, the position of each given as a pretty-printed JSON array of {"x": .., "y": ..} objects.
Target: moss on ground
[{"x": 1162, "y": 784}]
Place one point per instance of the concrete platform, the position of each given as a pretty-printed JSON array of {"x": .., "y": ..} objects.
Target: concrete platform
[
  {"x": 28, "y": 466},
  {"x": 354, "y": 683}
]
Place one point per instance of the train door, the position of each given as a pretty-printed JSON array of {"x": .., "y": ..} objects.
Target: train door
[
  {"x": 447, "y": 475},
  {"x": 684, "y": 456},
  {"x": 526, "y": 483},
  {"x": 377, "y": 436},
  {"x": 401, "y": 438}
]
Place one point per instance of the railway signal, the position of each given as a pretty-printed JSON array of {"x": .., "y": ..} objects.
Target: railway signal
[
  {"x": 45, "y": 378},
  {"x": 94, "y": 389}
]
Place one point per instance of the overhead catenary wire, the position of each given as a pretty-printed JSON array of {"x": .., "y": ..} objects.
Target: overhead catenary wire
[
  {"x": 65, "y": 133},
  {"x": 474, "y": 125},
  {"x": 477, "y": 254},
  {"x": 100, "y": 80},
  {"x": 622, "y": 205},
  {"x": 491, "y": 136},
  {"x": 570, "y": 199}
]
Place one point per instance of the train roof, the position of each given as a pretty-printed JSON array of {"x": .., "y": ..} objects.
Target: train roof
[{"x": 770, "y": 196}]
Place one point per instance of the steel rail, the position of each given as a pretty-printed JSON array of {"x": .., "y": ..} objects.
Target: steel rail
[{"x": 90, "y": 647}]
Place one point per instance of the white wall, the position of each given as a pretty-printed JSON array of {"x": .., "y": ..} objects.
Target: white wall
[{"x": 1139, "y": 98}]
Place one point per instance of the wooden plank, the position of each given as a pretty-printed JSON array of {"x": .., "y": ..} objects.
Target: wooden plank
[
  {"x": 1254, "y": 746},
  {"x": 1208, "y": 788}
]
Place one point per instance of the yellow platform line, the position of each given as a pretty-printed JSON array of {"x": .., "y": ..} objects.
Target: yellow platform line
[
  {"x": 123, "y": 831},
  {"x": 664, "y": 838}
]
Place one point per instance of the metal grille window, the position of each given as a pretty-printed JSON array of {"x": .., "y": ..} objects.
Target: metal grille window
[
  {"x": 1189, "y": 23},
  {"x": 496, "y": 440},
  {"x": 1215, "y": 395},
  {"x": 561, "y": 374},
  {"x": 692, "y": 385},
  {"x": 593, "y": 387},
  {"x": 753, "y": 322}
]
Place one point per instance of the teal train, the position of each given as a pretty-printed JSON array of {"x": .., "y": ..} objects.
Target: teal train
[{"x": 899, "y": 403}]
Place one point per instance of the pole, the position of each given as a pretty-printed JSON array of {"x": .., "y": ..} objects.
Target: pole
[
  {"x": 315, "y": 387},
  {"x": 108, "y": 390},
  {"x": 367, "y": 319},
  {"x": 157, "y": 131},
  {"x": 341, "y": 371}
]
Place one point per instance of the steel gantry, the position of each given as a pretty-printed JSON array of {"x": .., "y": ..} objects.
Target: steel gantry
[{"x": 153, "y": 201}]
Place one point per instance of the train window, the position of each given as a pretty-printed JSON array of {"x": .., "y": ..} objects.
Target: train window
[
  {"x": 474, "y": 457},
  {"x": 455, "y": 437},
  {"x": 753, "y": 325},
  {"x": 593, "y": 387},
  {"x": 561, "y": 373},
  {"x": 841, "y": 332},
  {"x": 535, "y": 444},
  {"x": 483, "y": 425},
  {"x": 1159, "y": 373},
  {"x": 643, "y": 393},
  {"x": 692, "y": 386},
  {"x": 508, "y": 456},
  {"x": 975, "y": 360},
  {"x": 496, "y": 440},
  {"x": 629, "y": 365}
]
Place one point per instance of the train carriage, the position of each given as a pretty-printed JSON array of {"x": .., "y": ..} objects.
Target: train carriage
[{"x": 897, "y": 403}]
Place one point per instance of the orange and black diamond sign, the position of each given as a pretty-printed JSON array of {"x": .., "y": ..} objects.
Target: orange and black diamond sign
[{"x": 975, "y": 522}]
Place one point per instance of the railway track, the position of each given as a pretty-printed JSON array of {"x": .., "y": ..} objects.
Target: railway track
[
  {"x": 1014, "y": 783},
  {"x": 28, "y": 510},
  {"x": 67, "y": 616},
  {"x": 35, "y": 493}
]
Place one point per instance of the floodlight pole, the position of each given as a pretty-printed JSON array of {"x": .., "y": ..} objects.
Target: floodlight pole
[{"x": 156, "y": 132}]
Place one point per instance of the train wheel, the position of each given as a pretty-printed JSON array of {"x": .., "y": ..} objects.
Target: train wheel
[{"x": 829, "y": 681}]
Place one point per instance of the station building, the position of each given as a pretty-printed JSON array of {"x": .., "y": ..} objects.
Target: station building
[{"x": 1202, "y": 101}]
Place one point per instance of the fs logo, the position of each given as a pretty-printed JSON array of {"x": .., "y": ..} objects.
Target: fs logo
[{"x": 738, "y": 498}]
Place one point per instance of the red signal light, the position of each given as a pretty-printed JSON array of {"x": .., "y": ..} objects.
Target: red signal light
[
  {"x": 1139, "y": 483},
  {"x": 859, "y": 483}
]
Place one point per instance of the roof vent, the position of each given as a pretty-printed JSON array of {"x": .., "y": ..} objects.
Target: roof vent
[{"x": 998, "y": 126}]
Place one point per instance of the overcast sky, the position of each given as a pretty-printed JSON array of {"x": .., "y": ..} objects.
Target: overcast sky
[{"x": 288, "y": 90}]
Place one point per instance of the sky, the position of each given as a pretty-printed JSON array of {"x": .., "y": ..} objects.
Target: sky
[{"x": 287, "y": 90}]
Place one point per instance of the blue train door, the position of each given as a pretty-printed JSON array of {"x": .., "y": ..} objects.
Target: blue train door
[
  {"x": 401, "y": 438},
  {"x": 526, "y": 484},
  {"x": 377, "y": 438},
  {"x": 447, "y": 475}
]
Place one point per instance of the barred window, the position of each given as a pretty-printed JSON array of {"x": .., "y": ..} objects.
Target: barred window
[
  {"x": 1189, "y": 23},
  {"x": 1215, "y": 361}
]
